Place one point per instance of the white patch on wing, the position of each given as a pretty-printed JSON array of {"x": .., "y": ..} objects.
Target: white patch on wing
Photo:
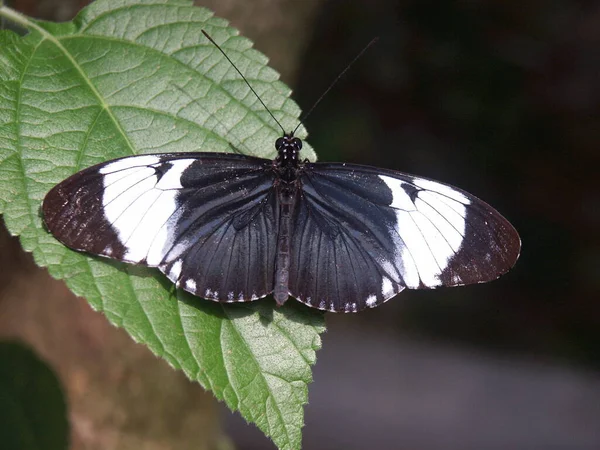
[
  {"x": 450, "y": 224},
  {"x": 350, "y": 307},
  {"x": 155, "y": 234},
  {"x": 182, "y": 246},
  {"x": 128, "y": 163},
  {"x": 126, "y": 210},
  {"x": 166, "y": 214},
  {"x": 390, "y": 270},
  {"x": 172, "y": 178},
  {"x": 403, "y": 260},
  {"x": 438, "y": 246},
  {"x": 387, "y": 288},
  {"x": 410, "y": 271},
  {"x": 371, "y": 301},
  {"x": 117, "y": 187},
  {"x": 142, "y": 211},
  {"x": 427, "y": 234},
  {"x": 415, "y": 247},
  {"x": 400, "y": 199},
  {"x": 455, "y": 206},
  {"x": 443, "y": 189},
  {"x": 132, "y": 224},
  {"x": 211, "y": 295},
  {"x": 175, "y": 270},
  {"x": 190, "y": 285}
]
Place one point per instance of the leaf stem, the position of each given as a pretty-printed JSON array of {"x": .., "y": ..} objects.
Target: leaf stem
[{"x": 20, "y": 19}]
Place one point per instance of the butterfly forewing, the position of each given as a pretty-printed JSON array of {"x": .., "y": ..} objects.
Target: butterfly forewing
[
  {"x": 208, "y": 221},
  {"x": 364, "y": 234}
]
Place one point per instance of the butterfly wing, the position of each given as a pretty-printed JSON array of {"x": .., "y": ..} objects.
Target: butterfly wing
[
  {"x": 363, "y": 234},
  {"x": 206, "y": 220}
]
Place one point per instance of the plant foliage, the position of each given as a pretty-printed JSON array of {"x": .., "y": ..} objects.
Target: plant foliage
[{"x": 129, "y": 77}]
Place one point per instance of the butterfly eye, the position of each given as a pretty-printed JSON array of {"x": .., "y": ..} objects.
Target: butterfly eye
[
  {"x": 297, "y": 143},
  {"x": 279, "y": 143}
]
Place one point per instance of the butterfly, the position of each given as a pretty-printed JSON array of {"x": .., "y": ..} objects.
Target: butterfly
[
  {"x": 229, "y": 228},
  {"x": 234, "y": 228}
]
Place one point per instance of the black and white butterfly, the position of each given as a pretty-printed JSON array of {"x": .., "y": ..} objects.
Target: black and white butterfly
[{"x": 234, "y": 228}]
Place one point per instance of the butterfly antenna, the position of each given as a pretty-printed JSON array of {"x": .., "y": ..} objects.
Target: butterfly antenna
[
  {"x": 243, "y": 78},
  {"x": 305, "y": 116}
]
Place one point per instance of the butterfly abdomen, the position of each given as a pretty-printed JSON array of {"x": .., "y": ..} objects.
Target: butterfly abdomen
[{"x": 287, "y": 201}]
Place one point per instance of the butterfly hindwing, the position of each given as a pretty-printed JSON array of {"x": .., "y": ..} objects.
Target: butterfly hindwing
[
  {"x": 364, "y": 234},
  {"x": 208, "y": 221}
]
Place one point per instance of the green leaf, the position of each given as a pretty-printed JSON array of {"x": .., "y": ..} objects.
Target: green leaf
[
  {"x": 127, "y": 77},
  {"x": 33, "y": 412}
]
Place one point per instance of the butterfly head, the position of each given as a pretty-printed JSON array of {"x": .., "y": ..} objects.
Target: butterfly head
[{"x": 288, "y": 150}]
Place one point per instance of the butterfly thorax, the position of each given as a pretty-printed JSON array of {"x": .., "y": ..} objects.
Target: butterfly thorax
[{"x": 287, "y": 161}]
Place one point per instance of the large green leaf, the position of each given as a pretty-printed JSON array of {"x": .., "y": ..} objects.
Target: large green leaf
[
  {"x": 33, "y": 412},
  {"x": 129, "y": 77}
]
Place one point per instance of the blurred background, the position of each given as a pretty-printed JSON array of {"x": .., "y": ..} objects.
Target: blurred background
[{"x": 500, "y": 98}]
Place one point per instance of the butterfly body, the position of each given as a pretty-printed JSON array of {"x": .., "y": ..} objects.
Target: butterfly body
[{"x": 287, "y": 184}]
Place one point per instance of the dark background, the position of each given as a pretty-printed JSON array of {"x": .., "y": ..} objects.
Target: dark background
[{"x": 500, "y": 98}]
